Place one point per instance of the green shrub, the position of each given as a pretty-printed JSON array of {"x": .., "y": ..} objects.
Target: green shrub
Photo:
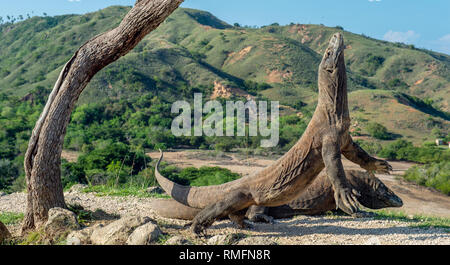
[
  {"x": 378, "y": 131},
  {"x": 404, "y": 150},
  {"x": 435, "y": 175},
  {"x": 396, "y": 83},
  {"x": 8, "y": 173},
  {"x": 121, "y": 153},
  {"x": 370, "y": 147},
  {"x": 72, "y": 173},
  {"x": 373, "y": 62},
  {"x": 204, "y": 176}
]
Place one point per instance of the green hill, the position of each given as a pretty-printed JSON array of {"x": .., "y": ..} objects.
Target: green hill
[{"x": 193, "y": 49}]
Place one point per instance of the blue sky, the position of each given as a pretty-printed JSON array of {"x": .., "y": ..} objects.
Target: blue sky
[{"x": 425, "y": 24}]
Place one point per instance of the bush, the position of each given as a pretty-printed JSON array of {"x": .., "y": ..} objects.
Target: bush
[
  {"x": 435, "y": 175},
  {"x": 378, "y": 131},
  {"x": 117, "y": 152},
  {"x": 373, "y": 63},
  {"x": 404, "y": 150},
  {"x": 225, "y": 143},
  {"x": 72, "y": 173},
  {"x": 204, "y": 176},
  {"x": 370, "y": 147},
  {"x": 397, "y": 83},
  {"x": 8, "y": 173}
]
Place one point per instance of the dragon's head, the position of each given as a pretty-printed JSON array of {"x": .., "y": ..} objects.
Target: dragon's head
[
  {"x": 374, "y": 194},
  {"x": 332, "y": 75},
  {"x": 331, "y": 58},
  {"x": 331, "y": 61}
]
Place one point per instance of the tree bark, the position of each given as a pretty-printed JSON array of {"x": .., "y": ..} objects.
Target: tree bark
[{"x": 43, "y": 156}]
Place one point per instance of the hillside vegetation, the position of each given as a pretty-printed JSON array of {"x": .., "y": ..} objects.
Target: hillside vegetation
[
  {"x": 396, "y": 91},
  {"x": 192, "y": 49}
]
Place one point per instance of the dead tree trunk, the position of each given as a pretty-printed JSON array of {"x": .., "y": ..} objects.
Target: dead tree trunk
[{"x": 43, "y": 156}]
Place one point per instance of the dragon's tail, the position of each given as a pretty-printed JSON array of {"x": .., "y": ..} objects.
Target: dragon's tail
[{"x": 196, "y": 197}]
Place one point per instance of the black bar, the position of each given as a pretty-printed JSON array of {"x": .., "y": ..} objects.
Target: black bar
[{"x": 162, "y": 255}]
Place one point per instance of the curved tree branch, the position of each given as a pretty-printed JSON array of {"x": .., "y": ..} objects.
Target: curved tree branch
[{"x": 43, "y": 156}]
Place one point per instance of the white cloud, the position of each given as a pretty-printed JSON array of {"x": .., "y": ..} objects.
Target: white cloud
[
  {"x": 443, "y": 44},
  {"x": 445, "y": 39},
  {"x": 404, "y": 37},
  {"x": 74, "y": 0}
]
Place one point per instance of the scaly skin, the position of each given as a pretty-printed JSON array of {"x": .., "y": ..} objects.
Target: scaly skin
[
  {"x": 316, "y": 200},
  {"x": 321, "y": 145}
]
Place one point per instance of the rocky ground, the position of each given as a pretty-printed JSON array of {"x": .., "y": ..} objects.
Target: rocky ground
[
  {"x": 298, "y": 230},
  {"x": 122, "y": 220}
]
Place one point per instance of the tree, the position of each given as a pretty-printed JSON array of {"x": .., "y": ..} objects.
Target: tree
[{"x": 43, "y": 157}]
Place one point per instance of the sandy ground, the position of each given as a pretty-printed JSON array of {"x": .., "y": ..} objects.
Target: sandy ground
[{"x": 416, "y": 199}]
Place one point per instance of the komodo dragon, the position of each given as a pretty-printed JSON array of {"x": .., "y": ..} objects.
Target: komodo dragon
[
  {"x": 321, "y": 145},
  {"x": 317, "y": 199}
]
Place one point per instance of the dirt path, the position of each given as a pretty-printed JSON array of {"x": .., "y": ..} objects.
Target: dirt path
[{"x": 416, "y": 199}]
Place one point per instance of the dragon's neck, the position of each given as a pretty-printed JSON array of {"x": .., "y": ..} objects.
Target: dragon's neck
[{"x": 333, "y": 95}]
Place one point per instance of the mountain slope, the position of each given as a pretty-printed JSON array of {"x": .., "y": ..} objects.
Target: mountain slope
[{"x": 194, "y": 51}]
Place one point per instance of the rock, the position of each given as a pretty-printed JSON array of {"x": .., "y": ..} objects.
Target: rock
[
  {"x": 83, "y": 236},
  {"x": 73, "y": 241},
  {"x": 60, "y": 221},
  {"x": 373, "y": 241},
  {"x": 117, "y": 232},
  {"x": 77, "y": 188},
  {"x": 144, "y": 235},
  {"x": 99, "y": 214},
  {"x": 262, "y": 241},
  {"x": 225, "y": 239},
  {"x": 155, "y": 189},
  {"x": 4, "y": 233},
  {"x": 2, "y": 193},
  {"x": 177, "y": 240}
]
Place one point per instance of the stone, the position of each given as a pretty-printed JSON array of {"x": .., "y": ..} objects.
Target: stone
[
  {"x": 60, "y": 221},
  {"x": 117, "y": 232},
  {"x": 261, "y": 241},
  {"x": 225, "y": 239},
  {"x": 75, "y": 241},
  {"x": 2, "y": 193},
  {"x": 177, "y": 240},
  {"x": 83, "y": 236},
  {"x": 144, "y": 235},
  {"x": 4, "y": 233}
]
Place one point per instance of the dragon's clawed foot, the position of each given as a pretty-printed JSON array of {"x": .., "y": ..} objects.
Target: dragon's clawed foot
[
  {"x": 246, "y": 225},
  {"x": 262, "y": 218},
  {"x": 380, "y": 166},
  {"x": 346, "y": 200},
  {"x": 199, "y": 231}
]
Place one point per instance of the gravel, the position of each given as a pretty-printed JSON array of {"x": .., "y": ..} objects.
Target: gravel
[{"x": 329, "y": 230}]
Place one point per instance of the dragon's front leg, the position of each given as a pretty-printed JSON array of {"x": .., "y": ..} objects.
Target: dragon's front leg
[{"x": 353, "y": 152}]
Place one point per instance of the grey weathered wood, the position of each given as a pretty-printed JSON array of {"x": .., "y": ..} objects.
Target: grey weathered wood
[{"x": 43, "y": 156}]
